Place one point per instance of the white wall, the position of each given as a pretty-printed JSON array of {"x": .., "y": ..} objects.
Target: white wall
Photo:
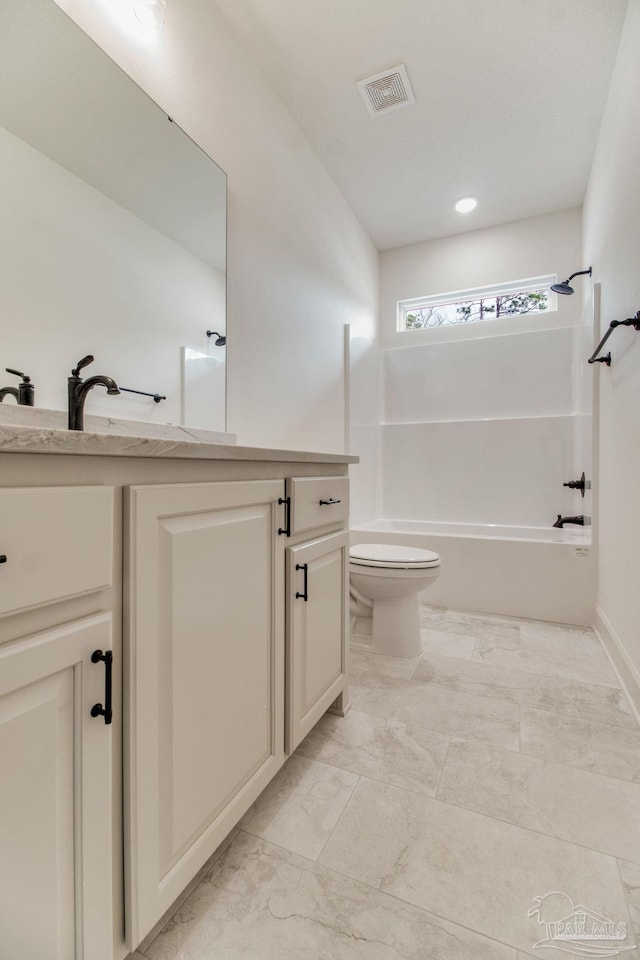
[
  {"x": 61, "y": 244},
  {"x": 299, "y": 264},
  {"x": 512, "y": 251},
  {"x": 612, "y": 242},
  {"x": 480, "y": 420}
]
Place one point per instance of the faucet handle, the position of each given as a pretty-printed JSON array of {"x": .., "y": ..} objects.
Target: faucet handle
[
  {"x": 82, "y": 363},
  {"x": 25, "y": 378}
]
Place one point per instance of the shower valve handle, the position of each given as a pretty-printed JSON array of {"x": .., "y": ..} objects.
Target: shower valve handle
[{"x": 577, "y": 484}]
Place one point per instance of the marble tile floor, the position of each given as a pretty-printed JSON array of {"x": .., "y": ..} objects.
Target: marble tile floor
[{"x": 501, "y": 766}]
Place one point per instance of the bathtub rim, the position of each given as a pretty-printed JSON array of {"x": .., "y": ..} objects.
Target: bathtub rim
[{"x": 440, "y": 528}]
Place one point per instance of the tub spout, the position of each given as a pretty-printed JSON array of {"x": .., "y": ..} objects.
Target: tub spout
[{"x": 560, "y": 522}]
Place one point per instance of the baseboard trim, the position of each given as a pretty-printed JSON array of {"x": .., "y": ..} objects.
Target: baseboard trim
[{"x": 624, "y": 669}]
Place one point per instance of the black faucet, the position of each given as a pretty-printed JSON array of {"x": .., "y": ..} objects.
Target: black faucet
[
  {"x": 78, "y": 390},
  {"x": 24, "y": 392},
  {"x": 560, "y": 522}
]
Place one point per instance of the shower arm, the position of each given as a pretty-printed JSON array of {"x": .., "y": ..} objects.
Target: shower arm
[
  {"x": 578, "y": 273},
  {"x": 629, "y": 322}
]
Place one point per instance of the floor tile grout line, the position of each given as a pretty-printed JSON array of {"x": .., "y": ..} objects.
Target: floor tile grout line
[
  {"x": 539, "y": 833},
  {"x": 488, "y": 816},
  {"x": 377, "y": 716},
  {"x": 475, "y": 647},
  {"x": 598, "y": 723},
  {"x": 577, "y": 715},
  {"x": 414, "y": 906},
  {"x": 338, "y": 873},
  {"x": 387, "y": 783},
  {"x": 543, "y": 760},
  {"x": 422, "y": 726},
  {"x": 441, "y": 773},
  {"x": 552, "y": 676},
  {"x": 359, "y": 709},
  {"x": 519, "y": 728},
  {"x": 485, "y": 696},
  {"x": 520, "y": 622},
  {"x": 339, "y": 818},
  {"x": 569, "y": 766},
  {"x": 413, "y": 672},
  {"x": 523, "y": 669},
  {"x": 433, "y": 683}
]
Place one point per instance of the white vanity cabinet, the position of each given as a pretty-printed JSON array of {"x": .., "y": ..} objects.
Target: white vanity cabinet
[
  {"x": 187, "y": 572},
  {"x": 205, "y": 674},
  {"x": 56, "y": 803},
  {"x": 317, "y": 607}
]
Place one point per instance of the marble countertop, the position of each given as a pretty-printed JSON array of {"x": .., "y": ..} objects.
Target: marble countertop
[{"x": 29, "y": 430}]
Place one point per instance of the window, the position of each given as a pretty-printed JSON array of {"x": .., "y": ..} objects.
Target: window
[{"x": 484, "y": 303}]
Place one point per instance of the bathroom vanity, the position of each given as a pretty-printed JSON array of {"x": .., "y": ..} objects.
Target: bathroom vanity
[{"x": 173, "y": 621}]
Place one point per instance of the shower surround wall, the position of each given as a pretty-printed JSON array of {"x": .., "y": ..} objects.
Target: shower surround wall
[
  {"x": 480, "y": 431},
  {"x": 483, "y": 423},
  {"x": 479, "y": 421}
]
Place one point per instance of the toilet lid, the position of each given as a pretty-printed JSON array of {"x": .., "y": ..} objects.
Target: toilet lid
[{"x": 392, "y": 555}]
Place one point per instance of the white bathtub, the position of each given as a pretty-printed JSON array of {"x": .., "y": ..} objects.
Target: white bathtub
[{"x": 539, "y": 573}]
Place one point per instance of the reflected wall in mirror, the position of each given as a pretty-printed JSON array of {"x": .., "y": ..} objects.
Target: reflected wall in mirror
[{"x": 113, "y": 232}]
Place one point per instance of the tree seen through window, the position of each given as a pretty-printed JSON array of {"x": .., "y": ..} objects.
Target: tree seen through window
[{"x": 469, "y": 311}]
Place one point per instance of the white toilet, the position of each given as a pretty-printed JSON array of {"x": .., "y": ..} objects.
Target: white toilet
[{"x": 391, "y": 577}]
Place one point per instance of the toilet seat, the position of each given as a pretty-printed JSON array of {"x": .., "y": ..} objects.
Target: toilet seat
[{"x": 390, "y": 556}]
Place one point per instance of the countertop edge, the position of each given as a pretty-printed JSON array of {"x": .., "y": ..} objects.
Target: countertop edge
[{"x": 35, "y": 440}]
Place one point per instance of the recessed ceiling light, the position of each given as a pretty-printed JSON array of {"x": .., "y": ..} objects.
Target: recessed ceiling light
[
  {"x": 150, "y": 13},
  {"x": 466, "y": 204}
]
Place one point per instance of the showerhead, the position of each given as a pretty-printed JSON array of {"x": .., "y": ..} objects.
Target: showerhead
[
  {"x": 562, "y": 288},
  {"x": 220, "y": 339},
  {"x": 565, "y": 287}
]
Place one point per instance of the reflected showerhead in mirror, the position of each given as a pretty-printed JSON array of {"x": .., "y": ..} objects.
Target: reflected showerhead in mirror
[
  {"x": 565, "y": 287},
  {"x": 220, "y": 338}
]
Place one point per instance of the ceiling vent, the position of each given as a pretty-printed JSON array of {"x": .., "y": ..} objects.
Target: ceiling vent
[{"x": 387, "y": 91}]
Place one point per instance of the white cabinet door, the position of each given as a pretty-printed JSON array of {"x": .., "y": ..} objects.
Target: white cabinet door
[
  {"x": 316, "y": 631},
  {"x": 205, "y": 677},
  {"x": 40, "y": 529},
  {"x": 55, "y": 797}
]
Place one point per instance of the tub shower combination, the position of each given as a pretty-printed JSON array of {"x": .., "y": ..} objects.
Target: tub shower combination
[{"x": 543, "y": 573}]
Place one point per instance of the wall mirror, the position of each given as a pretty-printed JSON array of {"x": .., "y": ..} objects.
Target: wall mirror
[{"x": 113, "y": 231}]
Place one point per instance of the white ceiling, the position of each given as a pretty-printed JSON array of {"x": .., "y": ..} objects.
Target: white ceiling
[{"x": 509, "y": 97}]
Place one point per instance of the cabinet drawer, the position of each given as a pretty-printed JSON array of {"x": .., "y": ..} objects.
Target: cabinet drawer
[
  {"x": 317, "y": 501},
  {"x": 58, "y": 543}
]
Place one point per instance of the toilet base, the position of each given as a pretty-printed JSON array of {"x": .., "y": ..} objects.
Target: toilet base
[{"x": 395, "y": 630}]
